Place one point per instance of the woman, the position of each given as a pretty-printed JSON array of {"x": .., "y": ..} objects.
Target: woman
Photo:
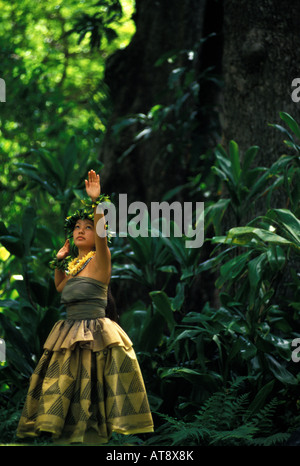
[{"x": 87, "y": 383}]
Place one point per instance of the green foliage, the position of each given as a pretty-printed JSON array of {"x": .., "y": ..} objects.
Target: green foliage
[
  {"x": 98, "y": 24},
  {"x": 291, "y": 176},
  {"x": 189, "y": 358},
  {"x": 9, "y": 419},
  {"x": 55, "y": 94},
  {"x": 175, "y": 123},
  {"x": 226, "y": 418},
  {"x": 250, "y": 333},
  {"x": 247, "y": 183},
  {"x": 30, "y": 306},
  {"x": 216, "y": 374}
]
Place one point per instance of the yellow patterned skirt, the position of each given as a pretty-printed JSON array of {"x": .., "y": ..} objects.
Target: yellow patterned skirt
[{"x": 86, "y": 385}]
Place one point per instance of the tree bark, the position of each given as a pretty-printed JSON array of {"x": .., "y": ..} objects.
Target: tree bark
[
  {"x": 136, "y": 85},
  {"x": 260, "y": 61}
]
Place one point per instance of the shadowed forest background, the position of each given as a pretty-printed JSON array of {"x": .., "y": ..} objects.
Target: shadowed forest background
[{"x": 169, "y": 100}]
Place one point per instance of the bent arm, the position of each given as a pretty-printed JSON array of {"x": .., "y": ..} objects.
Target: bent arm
[
  {"x": 60, "y": 276},
  {"x": 60, "y": 279}
]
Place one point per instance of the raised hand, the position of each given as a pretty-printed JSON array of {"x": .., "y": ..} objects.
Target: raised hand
[
  {"x": 64, "y": 251},
  {"x": 92, "y": 185}
]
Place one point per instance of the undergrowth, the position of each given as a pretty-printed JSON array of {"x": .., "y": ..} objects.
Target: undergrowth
[{"x": 225, "y": 419}]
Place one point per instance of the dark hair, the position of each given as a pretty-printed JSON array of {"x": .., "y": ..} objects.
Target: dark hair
[{"x": 111, "y": 309}]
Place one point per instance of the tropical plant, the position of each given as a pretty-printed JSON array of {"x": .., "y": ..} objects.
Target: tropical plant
[
  {"x": 228, "y": 418},
  {"x": 61, "y": 181},
  {"x": 192, "y": 361},
  {"x": 174, "y": 121},
  {"x": 30, "y": 306},
  {"x": 251, "y": 332}
]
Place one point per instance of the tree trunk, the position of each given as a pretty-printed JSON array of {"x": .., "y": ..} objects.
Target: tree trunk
[
  {"x": 260, "y": 61},
  {"x": 136, "y": 84}
]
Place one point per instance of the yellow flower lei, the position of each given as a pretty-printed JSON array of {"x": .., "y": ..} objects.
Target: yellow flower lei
[{"x": 76, "y": 265}]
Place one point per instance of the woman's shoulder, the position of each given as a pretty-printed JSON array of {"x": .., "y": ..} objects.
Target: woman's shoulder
[{"x": 97, "y": 272}]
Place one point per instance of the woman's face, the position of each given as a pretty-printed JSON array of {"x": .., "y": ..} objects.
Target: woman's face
[{"x": 83, "y": 234}]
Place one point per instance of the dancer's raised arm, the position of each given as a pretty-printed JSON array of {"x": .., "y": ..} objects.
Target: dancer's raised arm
[{"x": 103, "y": 257}]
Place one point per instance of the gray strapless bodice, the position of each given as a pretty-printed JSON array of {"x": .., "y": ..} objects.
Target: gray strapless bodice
[{"x": 85, "y": 298}]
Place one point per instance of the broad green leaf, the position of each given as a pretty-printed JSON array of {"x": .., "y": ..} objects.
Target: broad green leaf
[
  {"x": 281, "y": 346},
  {"x": 249, "y": 156},
  {"x": 152, "y": 332},
  {"x": 211, "y": 263},
  {"x": 214, "y": 214},
  {"x": 28, "y": 227},
  {"x": 18, "y": 361},
  {"x": 260, "y": 398},
  {"x": 10, "y": 303},
  {"x": 244, "y": 235},
  {"x": 284, "y": 131},
  {"x": 142, "y": 248},
  {"x": 163, "y": 306},
  {"x": 259, "y": 186},
  {"x": 292, "y": 124},
  {"x": 247, "y": 349},
  {"x": 224, "y": 163},
  {"x": 288, "y": 221},
  {"x": 211, "y": 381},
  {"x": 69, "y": 160},
  {"x": 176, "y": 246},
  {"x": 279, "y": 371},
  {"x": 168, "y": 269},
  {"x": 256, "y": 269},
  {"x": 220, "y": 173},
  {"x": 53, "y": 169},
  {"x": 276, "y": 257},
  {"x": 178, "y": 300},
  {"x": 32, "y": 172},
  {"x": 235, "y": 160},
  {"x": 234, "y": 267}
]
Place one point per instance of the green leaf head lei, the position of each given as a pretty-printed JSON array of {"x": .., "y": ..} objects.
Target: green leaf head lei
[{"x": 87, "y": 212}]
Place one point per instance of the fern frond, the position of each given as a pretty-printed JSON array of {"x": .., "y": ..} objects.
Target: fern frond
[
  {"x": 191, "y": 434},
  {"x": 226, "y": 418},
  {"x": 242, "y": 435},
  {"x": 276, "y": 439},
  {"x": 263, "y": 418},
  {"x": 179, "y": 432}
]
